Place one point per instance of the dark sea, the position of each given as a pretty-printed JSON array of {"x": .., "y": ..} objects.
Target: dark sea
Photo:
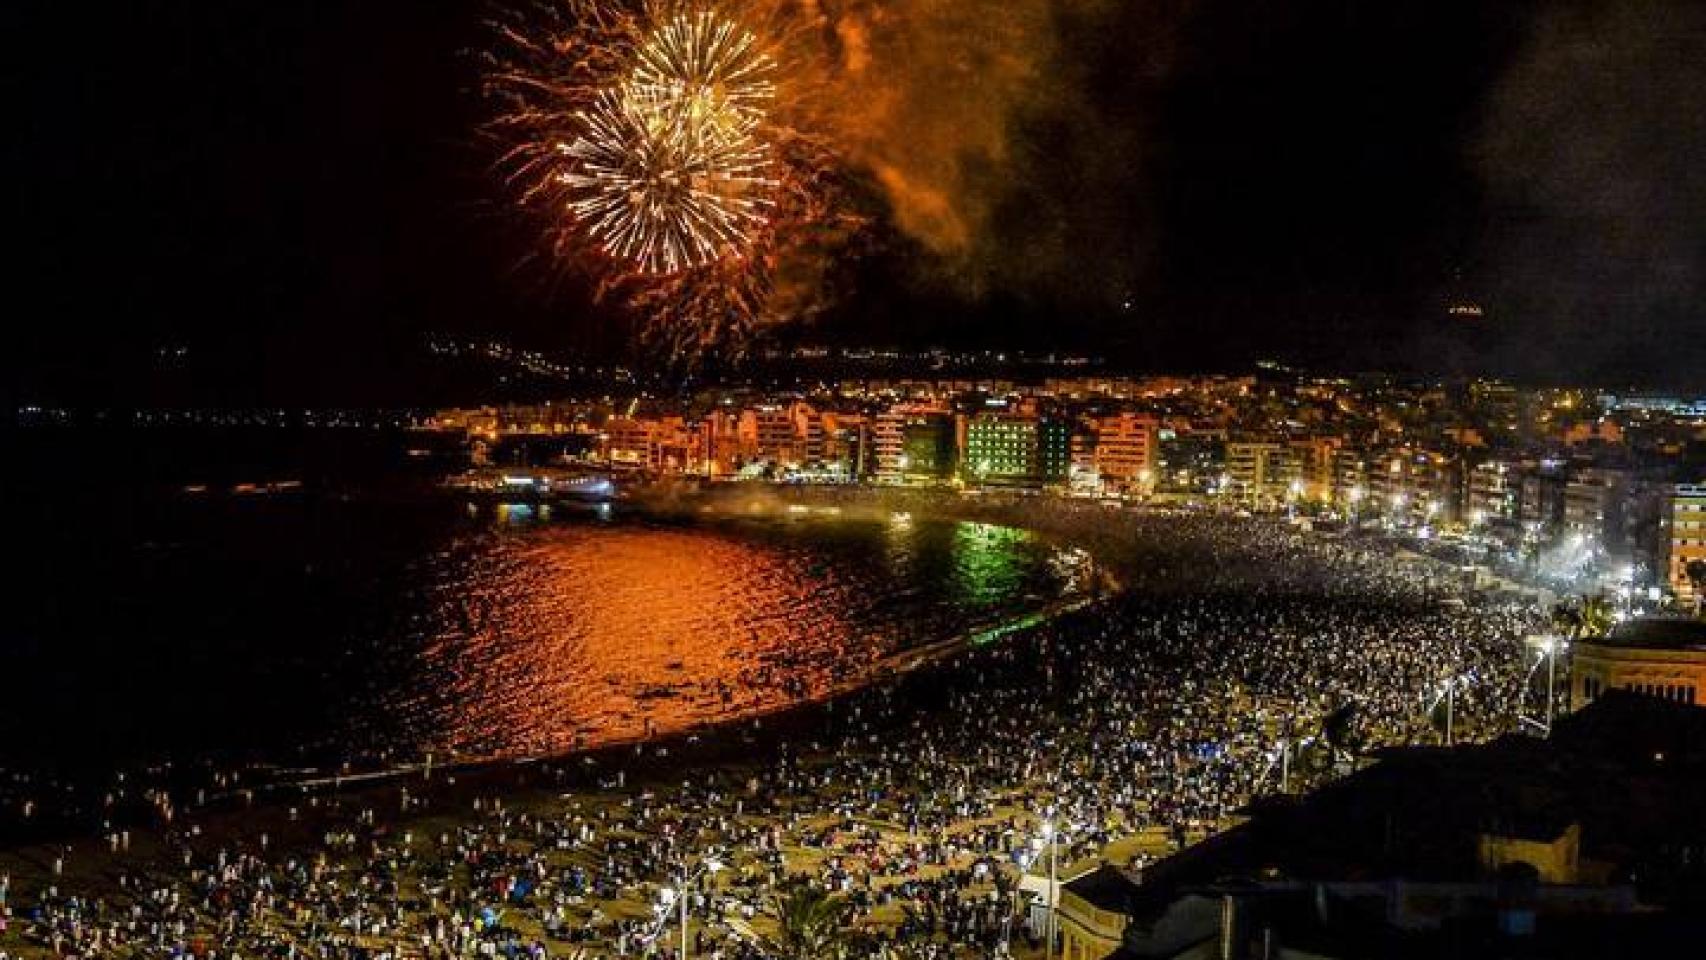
[{"x": 305, "y": 598}]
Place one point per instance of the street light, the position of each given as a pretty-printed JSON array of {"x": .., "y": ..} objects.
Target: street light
[
  {"x": 669, "y": 897},
  {"x": 1024, "y": 860},
  {"x": 1448, "y": 693},
  {"x": 1047, "y": 838},
  {"x": 1354, "y": 496},
  {"x": 1050, "y": 834},
  {"x": 1282, "y": 758},
  {"x": 1549, "y": 647},
  {"x": 1052, "y": 838}
]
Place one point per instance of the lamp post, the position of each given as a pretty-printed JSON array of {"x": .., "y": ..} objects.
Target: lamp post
[
  {"x": 1551, "y": 681},
  {"x": 1549, "y": 646},
  {"x": 1286, "y": 746},
  {"x": 1450, "y": 704},
  {"x": 1025, "y": 861},
  {"x": 668, "y": 898},
  {"x": 1050, "y": 833},
  {"x": 1052, "y": 838},
  {"x": 1445, "y": 693},
  {"x": 1045, "y": 842}
]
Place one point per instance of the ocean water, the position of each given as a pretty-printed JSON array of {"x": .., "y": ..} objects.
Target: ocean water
[{"x": 304, "y": 628}]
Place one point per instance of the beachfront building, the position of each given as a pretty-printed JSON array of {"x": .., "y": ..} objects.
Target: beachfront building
[
  {"x": 728, "y": 441},
  {"x": 1655, "y": 657},
  {"x": 1685, "y": 533},
  {"x": 1413, "y": 485},
  {"x": 1004, "y": 449},
  {"x": 1314, "y": 459},
  {"x": 1125, "y": 450},
  {"x": 913, "y": 444},
  {"x": 927, "y": 448},
  {"x": 1261, "y": 471},
  {"x": 789, "y": 434},
  {"x": 846, "y": 444},
  {"x": 1494, "y": 491},
  {"x": 1593, "y": 507}
]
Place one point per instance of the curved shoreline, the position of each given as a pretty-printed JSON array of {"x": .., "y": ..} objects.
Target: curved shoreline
[
  {"x": 891, "y": 666},
  {"x": 257, "y": 783},
  {"x": 925, "y": 694},
  {"x": 1085, "y": 525}
]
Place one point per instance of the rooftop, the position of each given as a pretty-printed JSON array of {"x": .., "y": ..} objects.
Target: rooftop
[
  {"x": 1105, "y": 888},
  {"x": 1659, "y": 633},
  {"x": 1628, "y": 769}
]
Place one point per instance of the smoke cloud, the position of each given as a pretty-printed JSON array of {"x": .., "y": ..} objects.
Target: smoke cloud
[
  {"x": 944, "y": 104},
  {"x": 1592, "y": 151},
  {"x": 932, "y": 89}
]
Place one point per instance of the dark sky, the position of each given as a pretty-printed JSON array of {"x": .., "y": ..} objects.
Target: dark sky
[{"x": 292, "y": 191}]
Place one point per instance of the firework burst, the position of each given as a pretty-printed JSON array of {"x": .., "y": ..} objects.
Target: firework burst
[
  {"x": 709, "y": 64},
  {"x": 665, "y": 184},
  {"x": 669, "y": 172},
  {"x": 665, "y": 144}
]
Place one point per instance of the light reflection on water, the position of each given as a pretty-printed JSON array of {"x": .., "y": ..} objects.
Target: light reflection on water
[{"x": 539, "y": 637}]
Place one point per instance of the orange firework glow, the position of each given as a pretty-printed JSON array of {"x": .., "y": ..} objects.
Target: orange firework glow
[
  {"x": 694, "y": 157},
  {"x": 665, "y": 146}
]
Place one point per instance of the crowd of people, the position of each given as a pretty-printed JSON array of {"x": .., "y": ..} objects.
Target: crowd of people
[{"x": 1240, "y": 656}]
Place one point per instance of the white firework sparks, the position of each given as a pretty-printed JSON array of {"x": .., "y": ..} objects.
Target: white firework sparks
[{"x": 669, "y": 171}]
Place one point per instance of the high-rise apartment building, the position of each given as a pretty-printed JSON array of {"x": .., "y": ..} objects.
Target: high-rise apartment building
[
  {"x": 1685, "y": 529},
  {"x": 1016, "y": 450}
]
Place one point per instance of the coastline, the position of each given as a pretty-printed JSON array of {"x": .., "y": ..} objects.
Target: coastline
[
  {"x": 255, "y": 786},
  {"x": 298, "y": 815},
  {"x": 808, "y": 739}
]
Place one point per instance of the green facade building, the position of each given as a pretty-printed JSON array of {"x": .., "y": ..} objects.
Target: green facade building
[{"x": 1008, "y": 450}]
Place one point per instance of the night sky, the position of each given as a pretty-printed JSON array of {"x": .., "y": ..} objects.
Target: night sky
[{"x": 292, "y": 192}]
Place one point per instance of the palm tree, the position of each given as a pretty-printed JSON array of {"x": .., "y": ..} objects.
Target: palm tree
[
  {"x": 1566, "y": 619},
  {"x": 1586, "y": 619},
  {"x": 812, "y": 925},
  {"x": 1597, "y": 618},
  {"x": 1695, "y": 570},
  {"x": 1338, "y": 734}
]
